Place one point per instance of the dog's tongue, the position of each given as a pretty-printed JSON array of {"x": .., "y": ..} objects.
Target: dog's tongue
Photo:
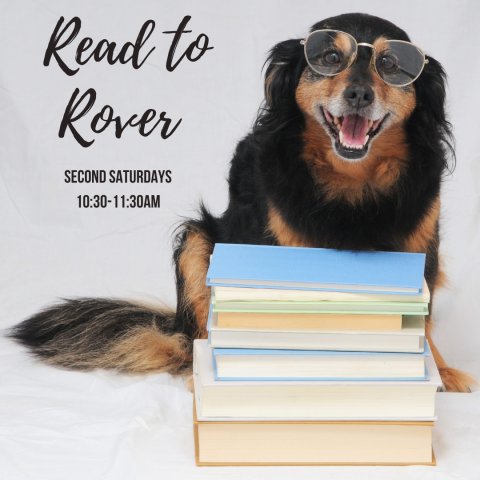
[{"x": 354, "y": 129}]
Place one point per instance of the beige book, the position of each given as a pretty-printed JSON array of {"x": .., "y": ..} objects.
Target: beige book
[
  {"x": 312, "y": 443},
  {"x": 308, "y": 321}
]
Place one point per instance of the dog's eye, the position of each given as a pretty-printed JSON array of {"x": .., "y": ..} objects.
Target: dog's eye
[
  {"x": 387, "y": 63},
  {"x": 331, "y": 57}
]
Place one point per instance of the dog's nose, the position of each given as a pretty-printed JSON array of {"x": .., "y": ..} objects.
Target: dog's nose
[{"x": 359, "y": 95}]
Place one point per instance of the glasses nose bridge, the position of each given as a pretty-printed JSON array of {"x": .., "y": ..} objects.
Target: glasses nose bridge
[{"x": 364, "y": 45}]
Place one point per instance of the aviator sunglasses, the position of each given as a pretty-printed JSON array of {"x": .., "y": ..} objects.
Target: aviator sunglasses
[{"x": 330, "y": 52}]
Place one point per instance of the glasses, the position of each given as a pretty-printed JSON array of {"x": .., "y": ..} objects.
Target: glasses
[{"x": 330, "y": 52}]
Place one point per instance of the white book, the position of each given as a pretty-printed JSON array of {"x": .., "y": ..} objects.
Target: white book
[
  {"x": 339, "y": 399},
  {"x": 267, "y": 364},
  {"x": 246, "y": 294},
  {"x": 410, "y": 339}
]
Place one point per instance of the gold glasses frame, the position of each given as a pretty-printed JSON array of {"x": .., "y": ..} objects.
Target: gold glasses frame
[{"x": 354, "y": 56}]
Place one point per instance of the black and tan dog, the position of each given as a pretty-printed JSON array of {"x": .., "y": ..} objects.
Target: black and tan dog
[{"x": 294, "y": 181}]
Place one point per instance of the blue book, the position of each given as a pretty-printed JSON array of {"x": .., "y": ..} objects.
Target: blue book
[
  {"x": 267, "y": 365},
  {"x": 261, "y": 266}
]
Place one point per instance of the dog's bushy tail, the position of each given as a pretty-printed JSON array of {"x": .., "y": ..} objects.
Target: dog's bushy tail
[{"x": 89, "y": 333}]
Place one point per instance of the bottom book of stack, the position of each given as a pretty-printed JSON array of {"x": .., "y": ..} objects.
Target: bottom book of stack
[{"x": 311, "y": 422}]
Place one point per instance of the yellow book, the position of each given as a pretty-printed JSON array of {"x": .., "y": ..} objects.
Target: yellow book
[{"x": 308, "y": 321}]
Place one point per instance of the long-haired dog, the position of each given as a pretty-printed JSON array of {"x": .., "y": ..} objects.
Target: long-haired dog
[{"x": 345, "y": 161}]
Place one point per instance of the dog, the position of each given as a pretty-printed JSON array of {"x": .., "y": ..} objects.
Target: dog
[{"x": 343, "y": 154}]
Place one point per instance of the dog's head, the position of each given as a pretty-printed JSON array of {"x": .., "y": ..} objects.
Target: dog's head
[{"x": 355, "y": 115}]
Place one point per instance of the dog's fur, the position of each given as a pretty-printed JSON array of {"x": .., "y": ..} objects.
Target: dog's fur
[{"x": 288, "y": 186}]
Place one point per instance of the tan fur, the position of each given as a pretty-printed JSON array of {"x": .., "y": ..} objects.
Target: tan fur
[
  {"x": 386, "y": 160},
  {"x": 401, "y": 102},
  {"x": 453, "y": 380},
  {"x": 377, "y": 173},
  {"x": 268, "y": 81},
  {"x": 417, "y": 241},
  {"x": 189, "y": 384},
  {"x": 442, "y": 279},
  {"x": 147, "y": 350},
  {"x": 284, "y": 234},
  {"x": 379, "y": 40},
  {"x": 309, "y": 93},
  {"x": 354, "y": 181},
  {"x": 457, "y": 381},
  {"x": 194, "y": 261}
]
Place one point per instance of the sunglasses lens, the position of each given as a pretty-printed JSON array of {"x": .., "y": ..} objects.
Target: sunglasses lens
[
  {"x": 329, "y": 52},
  {"x": 398, "y": 63}
]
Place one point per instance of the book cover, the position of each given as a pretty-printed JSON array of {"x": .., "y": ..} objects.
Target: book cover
[
  {"x": 316, "y": 268},
  {"x": 298, "y": 352}
]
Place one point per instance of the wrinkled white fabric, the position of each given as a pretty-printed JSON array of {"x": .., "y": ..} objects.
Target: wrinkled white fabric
[{"x": 56, "y": 424}]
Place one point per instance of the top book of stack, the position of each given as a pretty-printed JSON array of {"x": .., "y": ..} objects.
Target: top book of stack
[{"x": 260, "y": 266}]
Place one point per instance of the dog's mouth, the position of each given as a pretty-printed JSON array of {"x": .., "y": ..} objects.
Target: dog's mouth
[{"x": 352, "y": 133}]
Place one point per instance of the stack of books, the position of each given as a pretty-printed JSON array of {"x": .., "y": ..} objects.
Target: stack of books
[{"x": 314, "y": 356}]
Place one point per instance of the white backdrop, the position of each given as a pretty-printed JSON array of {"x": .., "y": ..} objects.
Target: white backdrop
[{"x": 52, "y": 421}]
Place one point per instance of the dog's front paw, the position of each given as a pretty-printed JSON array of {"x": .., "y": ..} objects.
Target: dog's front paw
[
  {"x": 456, "y": 381},
  {"x": 189, "y": 384}
]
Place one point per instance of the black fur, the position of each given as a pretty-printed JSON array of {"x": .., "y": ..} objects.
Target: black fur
[{"x": 268, "y": 168}]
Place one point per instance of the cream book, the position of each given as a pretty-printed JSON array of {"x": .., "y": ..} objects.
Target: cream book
[
  {"x": 338, "y": 399},
  {"x": 198, "y": 412},
  {"x": 275, "y": 364},
  {"x": 312, "y": 443},
  {"x": 246, "y": 294},
  {"x": 409, "y": 339}
]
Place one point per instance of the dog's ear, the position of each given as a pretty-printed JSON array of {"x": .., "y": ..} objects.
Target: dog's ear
[
  {"x": 430, "y": 92},
  {"x": 285, "y": 64},
  {"x": 429, "y": 117}
]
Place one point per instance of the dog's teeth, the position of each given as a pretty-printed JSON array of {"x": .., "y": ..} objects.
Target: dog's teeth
[
  {"x": 339, "y": 127},
  {"x": 350, "y": 147},
  {"x": 336, "y": 120},
  {"x": 370, "y": 123},
  {"x": 366, "y": 139}
]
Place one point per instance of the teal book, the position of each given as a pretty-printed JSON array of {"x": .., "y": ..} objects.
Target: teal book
[{"x": 262, "y": 266}]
